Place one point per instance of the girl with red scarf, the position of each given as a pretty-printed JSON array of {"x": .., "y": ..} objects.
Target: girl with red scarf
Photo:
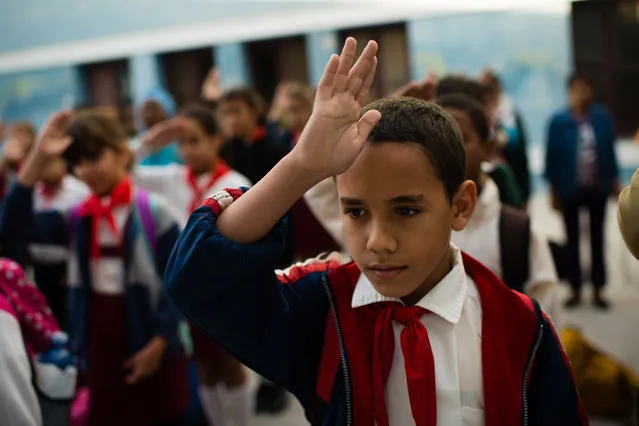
[
  {"x": 122, "y": 327},
  {"x": 226, "y": 390}
]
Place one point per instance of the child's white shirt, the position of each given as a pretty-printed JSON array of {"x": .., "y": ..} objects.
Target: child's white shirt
[
  {"x": 454, "y": 331},
  {"x": 480, "y": 239},
  {"x": 18, "y": 401},
  {"x": 71, "y": 192},
  {"x": 172, "y": 182}
]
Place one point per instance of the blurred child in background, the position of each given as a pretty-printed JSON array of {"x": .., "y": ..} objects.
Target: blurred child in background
[
  {"x": 226, "y": 388},
  {"x": 158, "y": 106},
  {"x": 122, "y": 327}
]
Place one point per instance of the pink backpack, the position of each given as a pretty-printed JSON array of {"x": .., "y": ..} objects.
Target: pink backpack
[{"x": 30, "y": 306}]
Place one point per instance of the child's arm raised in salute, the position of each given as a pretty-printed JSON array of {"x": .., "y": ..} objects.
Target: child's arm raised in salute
[
  {"x": 220, "y": 274},
  {"x": 17, "y": 218}
]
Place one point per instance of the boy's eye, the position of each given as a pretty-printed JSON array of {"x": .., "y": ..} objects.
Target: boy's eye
[
  {"x": 354, "y": 213},
  {"x": 407, "y": 211}
]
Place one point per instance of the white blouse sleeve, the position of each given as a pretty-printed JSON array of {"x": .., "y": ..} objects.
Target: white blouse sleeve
[{"x": 18, "y": 401}]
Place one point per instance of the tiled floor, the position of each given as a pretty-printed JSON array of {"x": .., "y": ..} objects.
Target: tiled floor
[{"x": 616, "y": 330}]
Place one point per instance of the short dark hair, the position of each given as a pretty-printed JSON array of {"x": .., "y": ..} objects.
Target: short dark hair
[
  {"x": 249, "y": 96},
  {"x": 91, "y": 134},
  {"x": 492, "y": 79},
  {"x": 577, "y": 77},
  {"x": 472, "y": 108},
  {"x": 429, "y": 126},
  {"x": 459, "y": 84},
  {"x": 203, "y": 116},
  {"x": 451, "y": 84}
]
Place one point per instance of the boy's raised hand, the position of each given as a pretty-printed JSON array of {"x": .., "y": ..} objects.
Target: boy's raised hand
[
  {"x": 163, "y": 133},
  {"x": 335, "y": 133},
  {"x": 53, "y": 139}
]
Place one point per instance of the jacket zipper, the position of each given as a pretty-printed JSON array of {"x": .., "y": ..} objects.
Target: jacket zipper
[
  {"x": 342, "y": 352},
  {"x": 531, "y": 359}
]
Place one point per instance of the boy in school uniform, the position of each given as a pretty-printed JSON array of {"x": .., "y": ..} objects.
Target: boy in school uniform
[
  {"x": 413, "y": 331},
  {"x": 47, "y": 250},
  {"x": 122, "y": 327},
  {"x": 499, "y": 236}
]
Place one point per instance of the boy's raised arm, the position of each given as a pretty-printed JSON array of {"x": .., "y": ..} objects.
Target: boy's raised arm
[
  {"x": 17, "y": 216},
  {"x": 330, "y": 143}
]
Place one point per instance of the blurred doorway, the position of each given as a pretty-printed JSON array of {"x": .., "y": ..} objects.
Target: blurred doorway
[
  {"x": 106, "y": 83},
  {"x": 184, "y": 73},
  {"x": 277, "y": 60},
  {"x": 605, "y": 49},
  {"x": 393, "y": 66}
]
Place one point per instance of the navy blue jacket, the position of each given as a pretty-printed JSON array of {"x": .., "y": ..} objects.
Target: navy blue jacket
[
  {"x": 562, "y": 151},
  {"x": 278, "y": 330}
]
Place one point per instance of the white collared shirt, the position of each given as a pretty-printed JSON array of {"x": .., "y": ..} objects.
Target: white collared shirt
[
  {"x": 454, "y": 331},
  {"x": 480, "y": 239},
  {"x": 108, "y": 272},
  {"x": 71, "y": 192}
]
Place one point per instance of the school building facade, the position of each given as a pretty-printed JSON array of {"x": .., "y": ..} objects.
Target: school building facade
[{"x": 101, "y": 53}]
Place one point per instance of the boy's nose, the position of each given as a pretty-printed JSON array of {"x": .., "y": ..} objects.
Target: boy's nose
[{"x": 381, "y": 239}]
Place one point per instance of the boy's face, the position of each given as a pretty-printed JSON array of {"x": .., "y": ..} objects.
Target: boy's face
[
  {"x": 197, "y": 149},
  {"x": 477, "y": 151},
  {"x": 152, "y": 113},
  {"x": 54, "y": 171},
  {"x": 104, "y": 172},
  {"x": 295, "y": 113},
  {"x": 17, "y": 145},
  {"x": 398, "y": 218},
  {"x": 238, "y": 120},
  {"x": 580, "y": 93}
]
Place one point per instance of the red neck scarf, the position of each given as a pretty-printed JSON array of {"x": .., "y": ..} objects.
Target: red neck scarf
[
  {"x": 258, "y": 134},
  {"x": 94, "y": 207},
  {"x": 198, "y": 192},
  {"x": 48, "y": 192},
  {"x": 418, "y": 361}
]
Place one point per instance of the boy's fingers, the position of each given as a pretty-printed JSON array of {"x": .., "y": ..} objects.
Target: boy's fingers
[
  {"x": 325, "y": 85},
  {"x": 361, "y": 69},
  {"x": 368, "y": 81},
  {"x": 345, "y": 62},
  {"x": 367, "y": 122},
  {"x": 65, "y": 142}
]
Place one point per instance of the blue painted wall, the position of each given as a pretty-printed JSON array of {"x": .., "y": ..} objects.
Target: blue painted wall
[
  {"x": 319, "y": 48},
  {"x": 34, "y": 95},
  {"x": 530, "y": 52},
  {"x": 232, "y": 62},
  {"x": 144, "y": 73}
]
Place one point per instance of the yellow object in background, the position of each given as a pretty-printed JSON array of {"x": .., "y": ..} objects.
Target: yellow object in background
[{"x": 608, "y": 388}]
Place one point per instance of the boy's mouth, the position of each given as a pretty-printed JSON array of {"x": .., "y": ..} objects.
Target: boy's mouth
[{"x": 386, "y": 270}]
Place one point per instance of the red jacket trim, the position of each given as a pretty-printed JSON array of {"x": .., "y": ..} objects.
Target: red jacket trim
[{"x": 508, "y": 329}]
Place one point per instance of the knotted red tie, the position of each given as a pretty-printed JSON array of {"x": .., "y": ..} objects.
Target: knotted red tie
[
  {"x": 93, "y": 207},
  {"x": 418, "y": 363},
  {"x": 199, "y": 193}
]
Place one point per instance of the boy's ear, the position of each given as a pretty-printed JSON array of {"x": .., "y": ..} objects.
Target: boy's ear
[{"x": 463, "y": 205}]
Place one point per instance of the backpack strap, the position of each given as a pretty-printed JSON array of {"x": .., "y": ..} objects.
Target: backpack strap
[
  {"x": 73, "y": 218},
  {"x": 143, "y": 215},
  {"x": 514, "y": 246}
]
